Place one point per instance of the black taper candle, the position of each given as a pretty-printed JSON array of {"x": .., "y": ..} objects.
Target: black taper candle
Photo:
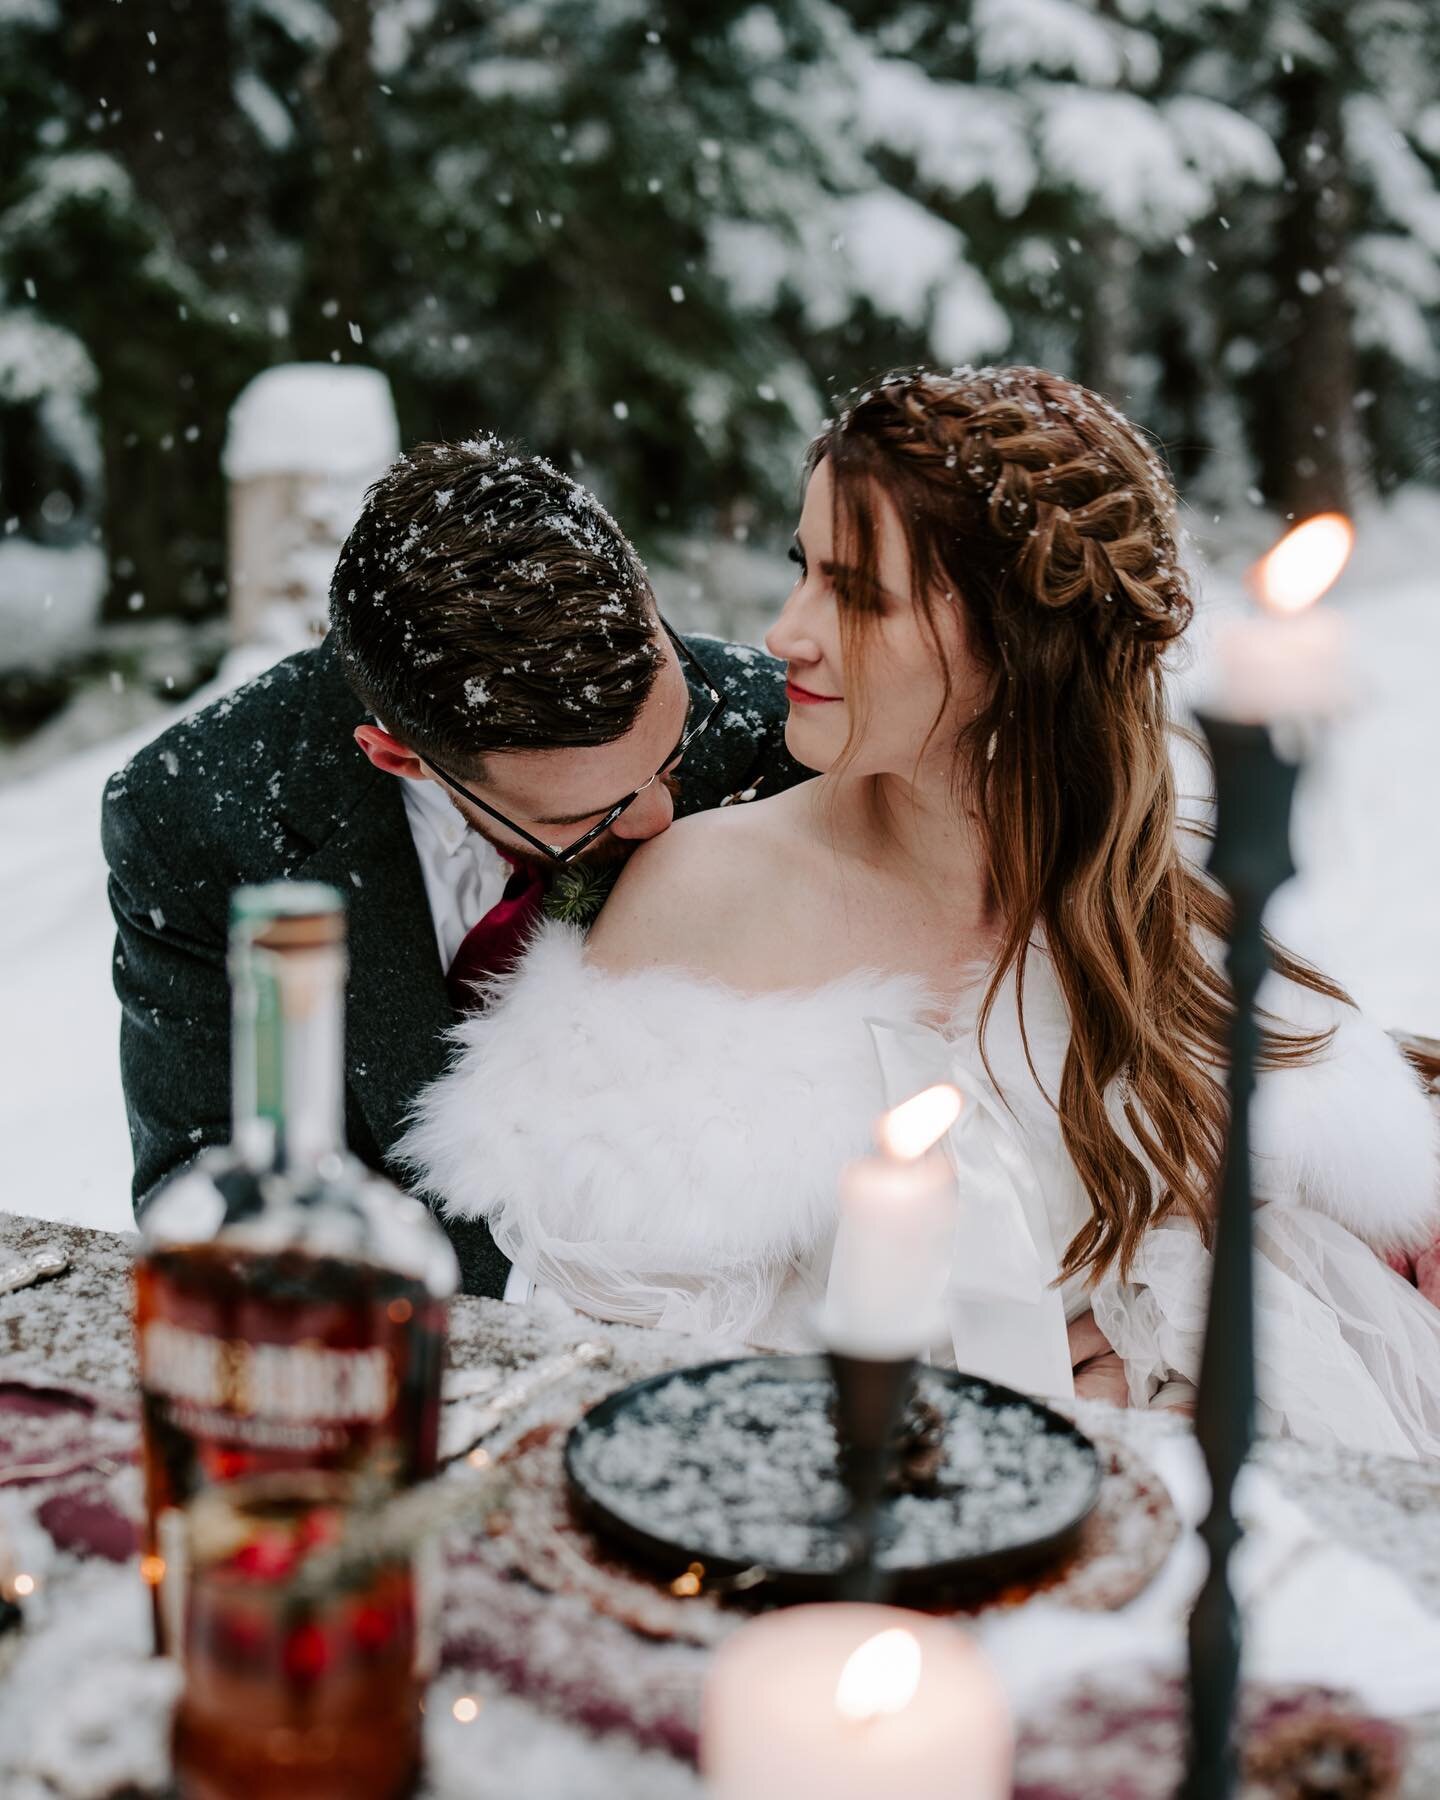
[
  {"x": 870, "y": 1397},
  {"x": 1250, "y": 858}
]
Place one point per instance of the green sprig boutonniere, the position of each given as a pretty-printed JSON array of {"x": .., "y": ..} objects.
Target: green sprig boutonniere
[{"x": 578, "y": 892}]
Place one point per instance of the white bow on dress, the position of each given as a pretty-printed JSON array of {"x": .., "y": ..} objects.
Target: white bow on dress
[{"x": 1004, "y": 1311}]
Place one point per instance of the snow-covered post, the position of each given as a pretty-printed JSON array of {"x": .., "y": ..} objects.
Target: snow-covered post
[{"x": 304, "y": 442}]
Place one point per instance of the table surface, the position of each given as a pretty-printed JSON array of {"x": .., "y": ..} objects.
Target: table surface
[{"x": 77, "y": 1330}]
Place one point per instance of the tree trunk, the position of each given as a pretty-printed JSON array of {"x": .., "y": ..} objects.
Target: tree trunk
[
  {"x": 1107, "y": 337},
  {"x": 332, "y": 309},
  {"x": 167, "y": 111},
  {"x": 1107, "y": 333},
  {"x": 1309, "y": 455},
  {"x": 157, "y": 77},
  {"x": 1183, "y": 391}
]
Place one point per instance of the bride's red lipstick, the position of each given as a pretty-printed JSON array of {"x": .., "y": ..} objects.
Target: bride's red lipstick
[{"x": 799, "y": 696}]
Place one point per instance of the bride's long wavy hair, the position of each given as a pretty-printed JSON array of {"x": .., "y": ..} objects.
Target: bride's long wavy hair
[{"x": 1045, "y": 513}]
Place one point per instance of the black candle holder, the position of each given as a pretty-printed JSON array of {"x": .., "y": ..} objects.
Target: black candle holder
[
  {"x": 1250, "y": 858},
  {"x": 870, "y": 1398}
]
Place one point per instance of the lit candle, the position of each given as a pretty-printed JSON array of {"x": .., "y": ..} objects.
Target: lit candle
[
  {"x": 892, "y": 1245},
  {"x": 1288, "y": 661},
  {"x": 853, "y": 1702}
]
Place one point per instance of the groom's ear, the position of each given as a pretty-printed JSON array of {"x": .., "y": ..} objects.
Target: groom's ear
[{"x": 389, "y": 754}]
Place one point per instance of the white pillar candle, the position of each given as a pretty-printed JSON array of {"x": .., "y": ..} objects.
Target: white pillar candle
[
  {"x": 892, "y": 1243},
  {"x": 1288, "y": 660},
  {"x": 853, "y": 1703}
]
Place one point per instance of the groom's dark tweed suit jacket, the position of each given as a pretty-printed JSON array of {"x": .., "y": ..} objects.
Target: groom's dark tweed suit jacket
[{"x": 267, "y": 783}]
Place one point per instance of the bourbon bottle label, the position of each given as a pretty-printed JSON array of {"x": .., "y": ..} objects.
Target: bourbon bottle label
[
  {"x": 256, "y": 1365},
  {"x": 275, "y": 1396}
]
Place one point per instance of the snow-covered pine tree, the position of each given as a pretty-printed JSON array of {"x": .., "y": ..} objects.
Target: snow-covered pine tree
[
  {"x": 132, "y": 222},
  {"x": 864, "y": 273},
  {"x": 1064, "y": 139},
  {"x": 1392, "y": 145},
  {"x": 649, "y": 239},
  {"x": 653, "y": 236},
  {"x": 48, "y": 448},
  {"x": 552, "y": 177},
  {"x": 1328, "y": 290}
]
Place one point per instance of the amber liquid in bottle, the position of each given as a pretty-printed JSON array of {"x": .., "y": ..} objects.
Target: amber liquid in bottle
[{"x": 290, "y": 1319}]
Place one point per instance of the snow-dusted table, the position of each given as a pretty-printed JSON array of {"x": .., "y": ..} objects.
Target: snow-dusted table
[{"x": 76, "y": 1330}]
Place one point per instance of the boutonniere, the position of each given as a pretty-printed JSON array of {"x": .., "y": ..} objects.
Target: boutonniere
[
  {"x": 578, "y": 892},
  {"x": 580, "y": 889}
]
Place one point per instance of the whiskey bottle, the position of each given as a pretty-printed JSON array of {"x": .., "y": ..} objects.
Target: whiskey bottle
[{"x": 290, "y": 1313}]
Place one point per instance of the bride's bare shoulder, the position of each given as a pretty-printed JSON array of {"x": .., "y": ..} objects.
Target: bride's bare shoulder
[{"x": 706, "y": 894}]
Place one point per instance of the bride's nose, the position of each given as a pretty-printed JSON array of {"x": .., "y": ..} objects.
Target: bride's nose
[
  {"x": 789, "y": 639},
  {"x": 648, "y": 816}
]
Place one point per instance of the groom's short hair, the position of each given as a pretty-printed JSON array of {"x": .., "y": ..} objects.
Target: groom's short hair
[{"x": 485, "y": 601}]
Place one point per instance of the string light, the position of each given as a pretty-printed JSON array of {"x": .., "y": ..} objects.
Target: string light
[
  {"x": 24, "y": 1586},
  {"x": 683, "y": 1586},
  {"x": 466, "y": 1709}
]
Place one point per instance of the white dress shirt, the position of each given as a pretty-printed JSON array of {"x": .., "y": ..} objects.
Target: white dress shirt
[{"x": 464, "y": 877}]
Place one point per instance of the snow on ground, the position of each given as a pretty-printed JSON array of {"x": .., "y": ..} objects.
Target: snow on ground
[
  {"x": 62, "y": 1113},
  {"x": 1366, "y": 906},
  {"x": 1367, "y": 835}
]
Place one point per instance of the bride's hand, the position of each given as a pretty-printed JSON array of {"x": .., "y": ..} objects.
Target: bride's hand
[{"x": 1099, "y": 1372}]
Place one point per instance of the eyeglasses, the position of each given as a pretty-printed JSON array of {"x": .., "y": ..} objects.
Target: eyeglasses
[{"x": 695, "y": 727}]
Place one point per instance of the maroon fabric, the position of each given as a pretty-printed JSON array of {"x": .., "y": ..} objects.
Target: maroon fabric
[
  {"x": 493, "y": 945},
  {"x": 70, "y": 1441},
  {"x": 89, "y": 1526},
  {"x": 39, "y": 1402}
]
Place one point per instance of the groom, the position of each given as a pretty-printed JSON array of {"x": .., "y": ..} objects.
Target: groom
[{"x": 497, "y": 716}]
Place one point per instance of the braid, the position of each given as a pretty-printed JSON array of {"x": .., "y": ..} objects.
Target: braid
[{"x": 1085, "y": 511}]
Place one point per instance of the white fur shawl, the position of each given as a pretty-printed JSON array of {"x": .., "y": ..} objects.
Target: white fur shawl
[
  {"x": 661, "y": 1149},
  {"x": 662, "y": 1113}
]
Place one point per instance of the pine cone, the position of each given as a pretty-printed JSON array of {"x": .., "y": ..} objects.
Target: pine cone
[
  {"x": 1327, "y": 1756},
  {"x": 919, "y": 1449}
]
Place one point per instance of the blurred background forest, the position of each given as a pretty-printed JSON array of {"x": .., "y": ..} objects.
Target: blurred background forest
[{"x": 652, "y": 240}]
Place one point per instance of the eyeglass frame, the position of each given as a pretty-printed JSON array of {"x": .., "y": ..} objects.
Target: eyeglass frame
[{"x": 561, "y": 855}]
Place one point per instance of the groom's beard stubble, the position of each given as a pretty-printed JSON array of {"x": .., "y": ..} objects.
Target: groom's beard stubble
[{"x": 606, "y": 852}]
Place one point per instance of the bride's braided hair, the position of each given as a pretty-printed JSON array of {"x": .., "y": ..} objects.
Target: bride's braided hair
[{"x": 1042, "y": 512}]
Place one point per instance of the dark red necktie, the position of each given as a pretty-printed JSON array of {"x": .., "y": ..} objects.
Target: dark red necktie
[{"x": 493, "y": 945}]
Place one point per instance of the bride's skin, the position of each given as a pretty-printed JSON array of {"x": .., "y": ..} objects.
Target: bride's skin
[{"x": 876, "y": 869}]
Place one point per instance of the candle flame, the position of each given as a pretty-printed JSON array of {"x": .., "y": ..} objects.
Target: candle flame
[
  {"x": 880, "y": 1677},
  {"x": 919, "y": 1123},
  {"x": 1305, "y": 562}
]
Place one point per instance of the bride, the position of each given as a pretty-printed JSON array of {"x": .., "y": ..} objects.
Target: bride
[{"x": 987, "y": 885}]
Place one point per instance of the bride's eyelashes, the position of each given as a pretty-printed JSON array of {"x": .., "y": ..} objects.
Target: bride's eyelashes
[{"x": 797, "y": 556}]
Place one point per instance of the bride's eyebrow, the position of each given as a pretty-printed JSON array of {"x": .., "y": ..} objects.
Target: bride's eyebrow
[
  {"x": 846, "y": 573},
  {"x": 830, "y": 570}
]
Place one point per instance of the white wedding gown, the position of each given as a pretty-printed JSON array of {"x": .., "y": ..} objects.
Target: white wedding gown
[{"x": 660, "y": 1149}]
